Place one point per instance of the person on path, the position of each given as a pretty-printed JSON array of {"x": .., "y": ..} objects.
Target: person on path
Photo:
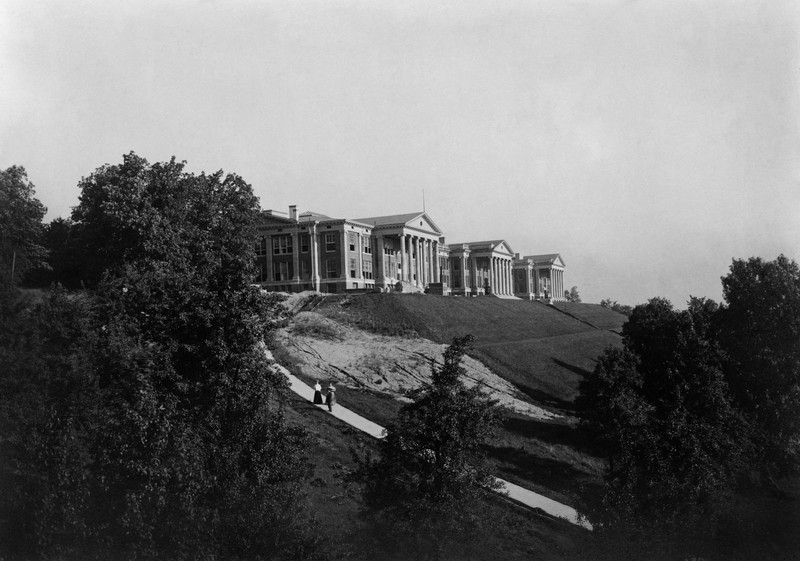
[
  {"x": 330, "y": 399},
  {"x": 317, "y": 394}
]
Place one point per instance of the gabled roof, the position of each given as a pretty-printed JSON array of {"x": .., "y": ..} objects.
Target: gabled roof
[
  {"x": 488, "y": 244},
  {"x": 400, "y": 220},
  {"x": 546, "y": 259},
  {"x": 310, "y": 216}
]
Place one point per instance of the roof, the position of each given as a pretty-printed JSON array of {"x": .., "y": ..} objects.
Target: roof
[
  {"x": 547, "y": 258},
  {"x": 308, "y": 216},
  {"x": 488, "y": 244},
  {"x": 391, "y": 219}
]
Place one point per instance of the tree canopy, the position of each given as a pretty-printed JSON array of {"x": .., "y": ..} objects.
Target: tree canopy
[
  {"x": 154, "y": 427},
  {"x": 21, "y": 228},
  {"x": 661, "y": 408},
  {"x": 759, "y": 330},
  {"x": 432, "y": 469}
]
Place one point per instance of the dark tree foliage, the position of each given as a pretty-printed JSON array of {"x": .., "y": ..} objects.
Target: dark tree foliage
[
  {"x": 21, "y": 228},
  {"x": 66, "y": 259},
  {"x": 662, "y": 410},
  {"x": 759, "y": 328},
  {"x": 427, "y": 483},
  {"x": 159, "y": 431}
]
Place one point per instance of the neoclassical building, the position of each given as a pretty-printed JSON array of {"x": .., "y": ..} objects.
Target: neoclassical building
[{"x": 312, "y": 251}]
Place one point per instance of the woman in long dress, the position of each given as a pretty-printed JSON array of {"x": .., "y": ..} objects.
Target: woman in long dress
[
  {"x": 317, "y": 394},
  {"x": 330, "y": 399}
]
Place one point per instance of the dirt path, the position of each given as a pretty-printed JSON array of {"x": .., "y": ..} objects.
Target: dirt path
[
  {"x": 515, "y": 492},
  {"x": 328, "y": 351}
]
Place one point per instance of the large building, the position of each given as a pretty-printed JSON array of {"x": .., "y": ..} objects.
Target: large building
[{"x": 311, "y": 251}]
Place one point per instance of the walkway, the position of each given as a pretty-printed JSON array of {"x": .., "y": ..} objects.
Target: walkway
[{"x": 515, "y": 492}]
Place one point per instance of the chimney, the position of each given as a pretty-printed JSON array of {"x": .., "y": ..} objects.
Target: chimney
[{"x": 293, "y": 212}]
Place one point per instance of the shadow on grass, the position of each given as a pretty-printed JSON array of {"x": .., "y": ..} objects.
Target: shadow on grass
[
  {"x": 552, "y": 433},
  {"x": 552, "y": 474},
  {"x": 572, "y": 368}
]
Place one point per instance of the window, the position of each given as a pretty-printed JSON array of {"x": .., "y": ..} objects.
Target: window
[
  {"x": 330, "y": 269},
  {"x": 367, "y": 269},
  {"x": 352, "y": 268},
  {"x": 281, "y": 245},
  {"x": 330, "y": 242},
  {"x": 367, "y": 245},
  {"x": 351, "y": 237},
  {"x": 388, "y": 247},
  {"x": 304, "y": 272},
  {"x": 282, "y": 270},
  {"x": 262, "y": 271},
  {"x": 304, "y": 240},
  {"x": 261, "y": 247}
]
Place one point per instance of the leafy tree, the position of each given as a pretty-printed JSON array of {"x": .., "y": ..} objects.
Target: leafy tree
[
  {"x": 663, "y": 410},
  {"x": 21, "y": 216},
  {"x": 166, "y": 437},
  {"x": 572, "y": 295},
  {"x": 760, "y": 332},
  {"x": 432, "y": 471},
  {"x": 66, "y": 260}
]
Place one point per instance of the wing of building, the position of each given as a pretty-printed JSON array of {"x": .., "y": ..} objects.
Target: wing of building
[{"x": 312, "y": 251}]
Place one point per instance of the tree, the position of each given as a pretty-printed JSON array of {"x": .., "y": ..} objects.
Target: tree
[
  {"x": 663, "y": 409},
  {"x": 616, "y": 306},
  {"x": 572, "y": 295},
  {"x": 21, "y": 216},
  {"x": 174, "y": 431},
  {"x": 759, "y": 329},
  {"x": 432, "y": 469}
]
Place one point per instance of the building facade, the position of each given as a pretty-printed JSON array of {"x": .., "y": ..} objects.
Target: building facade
[{"x": 312, "y": 251}]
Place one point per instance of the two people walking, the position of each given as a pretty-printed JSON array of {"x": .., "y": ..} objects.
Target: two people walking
[{"x": 330, "y": 398}]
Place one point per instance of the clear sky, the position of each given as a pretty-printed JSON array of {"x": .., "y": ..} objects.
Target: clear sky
[{"x": 648, "y": 143}]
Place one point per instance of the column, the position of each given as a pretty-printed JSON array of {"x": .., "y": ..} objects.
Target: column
[
  {"x": 359, "y": 258},
  {"x": 345, "y": 264},
  {"x": 270, "y": 276},
  {"x": 296, "y": 257},
  {"x": 436, "y": 266},
  {"x": 418, "y": 263},
  {"x": 379, "y": 278},
  {"x": 493, "y": 273},
  {"x": 474, "y": 273},
  {"x": 314, "y": 249},
  {"x": 464, "y": 272},
  {"x": 428, "y": 262},
  {"x": 403, "y": 261}
]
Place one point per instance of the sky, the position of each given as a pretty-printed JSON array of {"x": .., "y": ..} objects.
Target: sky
[{"x": 648, "y": 143}]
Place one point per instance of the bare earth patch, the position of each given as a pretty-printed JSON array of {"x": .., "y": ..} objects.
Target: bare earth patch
[{"x": 329, "y": 351}]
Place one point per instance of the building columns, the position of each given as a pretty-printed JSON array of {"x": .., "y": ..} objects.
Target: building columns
[
  {"x": 359, "y": 257},
  {"x": 436, "y": 266},
  {"x": 314, "y": 249},
  {"x": 403, "y": 260},
  {"x": 379, "y": 278},
  {"x": 296, "y": 257}
]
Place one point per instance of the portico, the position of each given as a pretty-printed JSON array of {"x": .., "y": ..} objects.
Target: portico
[{"x": 312, "y": 251}]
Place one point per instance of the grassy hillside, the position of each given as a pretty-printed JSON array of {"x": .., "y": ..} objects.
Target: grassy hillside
[{"x": 544, "y": 350}]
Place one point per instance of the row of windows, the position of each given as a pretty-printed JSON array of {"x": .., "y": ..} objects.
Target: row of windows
[{"x": 282, "y": 245}]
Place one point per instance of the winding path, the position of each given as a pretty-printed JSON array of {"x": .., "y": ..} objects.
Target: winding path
[{"x": 512, "y": 491}]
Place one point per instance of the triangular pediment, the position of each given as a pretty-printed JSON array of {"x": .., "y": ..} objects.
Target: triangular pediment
[
  {"x": 414, "y": 221},
  {"x": 503, "y": 247},
  {"x": 423, "y": 222}
]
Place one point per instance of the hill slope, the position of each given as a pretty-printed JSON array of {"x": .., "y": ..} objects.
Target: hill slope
[{"x": 543, "y": 350}]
